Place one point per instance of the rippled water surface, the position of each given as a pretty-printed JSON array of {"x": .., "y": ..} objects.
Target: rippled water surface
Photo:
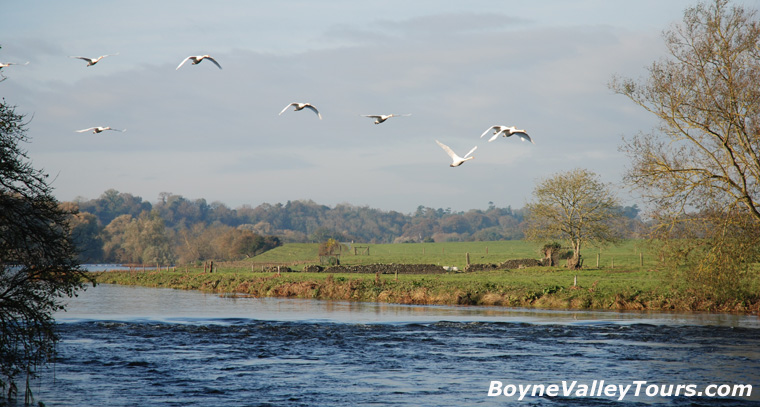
[{"x": 127, "y": 346}]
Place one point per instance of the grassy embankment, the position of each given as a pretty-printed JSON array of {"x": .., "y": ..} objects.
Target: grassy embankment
[{"x": 619, "y": 282}]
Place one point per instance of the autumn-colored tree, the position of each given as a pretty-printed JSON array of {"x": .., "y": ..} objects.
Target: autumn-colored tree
[
  {"x": 143, "y": 240},
  {"x": 700, "y": 169},
  {"x": 85, "y": 233}
]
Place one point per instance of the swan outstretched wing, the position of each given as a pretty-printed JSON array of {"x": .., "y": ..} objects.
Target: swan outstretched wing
[
  {"x": 490, "y": 129},
  {"x": 524, "y": 136},
  {"x": 106, "y": 55},
  {"x": 495, "y": 136},
  {"x": 183, "y": 62},
  {"x": 470, "y": 152},
  {"x": 449, "y": 151},
  {"x": 286, "y": 108},
  {"x": 214, "y": 61},
  {"x": 314, "y": 109}
]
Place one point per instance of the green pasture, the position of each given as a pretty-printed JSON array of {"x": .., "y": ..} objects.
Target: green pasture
[
  {"x": 627, "y": 285},
  {"x": 629, "y": 255}
]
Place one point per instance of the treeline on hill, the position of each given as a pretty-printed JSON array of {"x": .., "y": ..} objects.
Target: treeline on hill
[{"x": 123, "y": 228}]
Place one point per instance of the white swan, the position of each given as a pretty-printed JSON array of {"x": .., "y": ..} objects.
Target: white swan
[
  {"x": 379, "y": 118},
  {"x": 301, "y": 106},
  {"x": 7, "y": 64},
  {"x": 98, "y": 129},
  {"x": 197, "y": 60},
  {"x": 456, "y": 160},
  {"x": 93, "y": 61},
  {"x": 506, "y": 131}
]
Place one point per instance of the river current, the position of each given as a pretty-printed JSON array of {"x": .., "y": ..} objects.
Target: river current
[{"x": 133, "y": 346}]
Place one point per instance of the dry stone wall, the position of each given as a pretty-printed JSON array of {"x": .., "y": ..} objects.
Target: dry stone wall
[
  {"x": 506, "y": 265},
  {"x": 380, "y": 268},
  {"x": 409, "y": 268}
]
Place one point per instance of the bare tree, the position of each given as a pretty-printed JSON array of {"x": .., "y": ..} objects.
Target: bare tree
[
  {"x": 575, "y": 206},
  {"x": 702, "y": 165}
]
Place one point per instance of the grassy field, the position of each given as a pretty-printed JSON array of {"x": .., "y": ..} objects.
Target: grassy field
[
  {"x": 627, "y": 285},
  {"x": 627, "y": 255}
]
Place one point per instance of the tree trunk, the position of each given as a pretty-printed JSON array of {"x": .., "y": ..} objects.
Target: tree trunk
[{"x": 575, "y": 262}]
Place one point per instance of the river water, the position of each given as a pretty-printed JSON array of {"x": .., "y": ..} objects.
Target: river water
[{"x": 133, "y": 346}]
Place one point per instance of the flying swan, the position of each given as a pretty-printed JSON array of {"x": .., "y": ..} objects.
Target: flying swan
[
  {"x": 456, "y": 160},
  {"x": 506, "y": 131},
  {"x": 7, "y": 64},
  {"x": 301, "y": 106},
  {"x": 93, "y": 61},
  {"x": 96, "y": 130},
  {"x": 197, "y": 60},
  {"x": 379, "y": 118}
]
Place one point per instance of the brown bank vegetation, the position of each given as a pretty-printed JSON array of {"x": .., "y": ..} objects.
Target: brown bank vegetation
[{"x": 537, "y": 287}]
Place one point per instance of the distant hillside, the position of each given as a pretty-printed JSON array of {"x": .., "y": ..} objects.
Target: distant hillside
[
  {"x": 305, "y": 221},
  {"x": 188, "y": 225}
]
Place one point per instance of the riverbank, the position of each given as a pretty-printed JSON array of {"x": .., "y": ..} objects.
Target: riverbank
[{"x": 533, "y": 287}]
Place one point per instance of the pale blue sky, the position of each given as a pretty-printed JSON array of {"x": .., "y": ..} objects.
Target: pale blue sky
[{"x": 457, "y": 67}]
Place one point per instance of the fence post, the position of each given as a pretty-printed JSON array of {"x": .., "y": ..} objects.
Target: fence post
[
  {"x": 466, "y": 260},
  {"x": 641, "y": 259}
]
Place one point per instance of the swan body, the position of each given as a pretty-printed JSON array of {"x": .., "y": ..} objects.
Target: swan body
[
  {"x": 506, "y": 131},
  {"x": 197, "y": 60},
  {"x": 456, "y": 160},
  {"x": 300, "y": 106},
  {"x": 379, "y": 118},
  {"x": 93, "y": 61},
  {"x": 99, "y": 129}
]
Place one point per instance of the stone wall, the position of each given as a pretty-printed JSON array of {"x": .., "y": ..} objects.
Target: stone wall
[
  {"x": 409, "y": 268},
  {"x": 379, "y": 268},
  {"x": 506, "y": 265}
]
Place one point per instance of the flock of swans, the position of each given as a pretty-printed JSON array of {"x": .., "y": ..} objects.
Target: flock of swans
[
  {"x": 456, "y": 160},
  {"x": 498, "y": 130}
]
